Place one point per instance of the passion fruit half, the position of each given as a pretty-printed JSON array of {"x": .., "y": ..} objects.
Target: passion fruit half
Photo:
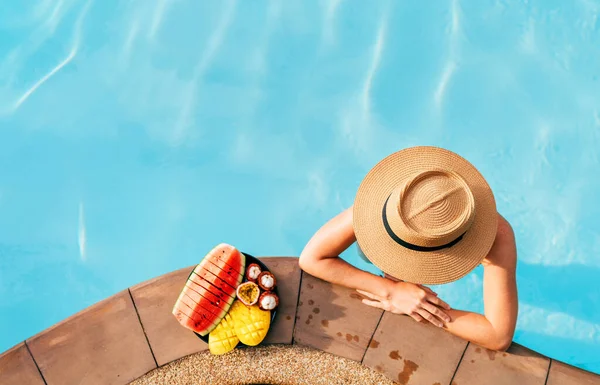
[{"x": 248, "y": 293}]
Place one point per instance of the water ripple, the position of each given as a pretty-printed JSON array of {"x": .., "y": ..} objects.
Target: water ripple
[
  {"x": 55, "y": 16},
  {"x": 31, "y": 90},
  {"x": 450, "y": 66},
  {"x": 73, "y": 52},
  {"x": 328, "y": 36},
  {"x": 185, "y": 119},
  {"x": 159, "y": 12},
  {"x": 375, "y": 60}
]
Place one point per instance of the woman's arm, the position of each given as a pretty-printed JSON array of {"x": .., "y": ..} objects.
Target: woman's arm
[
  {"x": 320, "y": 258},
  {"x": 495, "y": 330}
]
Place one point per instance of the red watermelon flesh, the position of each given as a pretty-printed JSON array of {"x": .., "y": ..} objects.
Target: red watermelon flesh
[
  {"x": 218, "y": 283},
  {"x": 187, "y": 322},
  {"x": 203, "y": 302},
  {"x": 210, "y": 289},
  {"x": 231, "y": 256},
  {"x": 201, "y": 307},
  {"x": 198, "y": 322},
  {"x": 214, "y": 269},
  {"x": 222, "y": 301},
  {"x": 193, "y": 309},
  {"x": 223, "y": 271},
  {"x": 198, "y": 285},
  {"x": 236, "y": 260}
]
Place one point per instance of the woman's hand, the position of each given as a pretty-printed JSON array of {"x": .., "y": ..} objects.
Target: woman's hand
[{"x": 417, "y": 301}]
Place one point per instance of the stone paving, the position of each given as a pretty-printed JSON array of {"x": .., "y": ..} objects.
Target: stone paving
[{"x": 133, "y": 332}]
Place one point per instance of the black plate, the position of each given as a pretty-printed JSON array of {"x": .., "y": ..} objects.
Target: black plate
[{"x": 249, "y": 259}]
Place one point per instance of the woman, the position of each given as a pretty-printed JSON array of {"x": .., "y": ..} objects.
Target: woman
[{"x": 424, "y": 215}]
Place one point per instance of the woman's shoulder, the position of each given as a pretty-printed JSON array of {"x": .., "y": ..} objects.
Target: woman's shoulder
[{"x": 505, "y": 229}]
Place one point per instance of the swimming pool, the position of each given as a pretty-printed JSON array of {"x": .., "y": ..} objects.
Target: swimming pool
[{"x": 134, "y": 136}]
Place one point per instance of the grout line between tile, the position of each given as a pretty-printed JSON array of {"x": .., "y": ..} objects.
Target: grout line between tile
[
  {"x": 143, "y": 329},
  {"x": 35, "y": 362},
  {"x": 548, "y": 372},
  {"x": 372, "y": 335},
  {"x": 459, "y": 362},
  {"x": 297, "y": 305}
]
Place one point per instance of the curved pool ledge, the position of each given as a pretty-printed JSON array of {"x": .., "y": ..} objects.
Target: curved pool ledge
[{"x": 133, "y": 332}]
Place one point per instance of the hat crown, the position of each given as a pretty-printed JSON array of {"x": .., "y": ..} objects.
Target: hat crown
[{"x": 434, "y": 208}]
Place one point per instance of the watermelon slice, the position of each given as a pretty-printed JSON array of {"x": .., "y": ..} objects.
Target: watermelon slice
[
  {"x": 202, "y": 307},
  {"x": 187, "y": 321},
  {"x": 238, "y": 260},
  {"x": 210, "y": 290},
  {"x": 218, "y": 272},
  {"x": 199, "y": 303},
  {"x": 201, "y": 284},
  {"x": 218, "y": 283},
  {"x": 229, "y": 274},
  {"x": 198, "y": 322},
  {"x": 231, "y": 256},
  {"x": 222, "y": 301}
]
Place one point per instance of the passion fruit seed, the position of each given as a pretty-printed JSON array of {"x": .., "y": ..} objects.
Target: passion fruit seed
[{"x": 248, "y": 293}]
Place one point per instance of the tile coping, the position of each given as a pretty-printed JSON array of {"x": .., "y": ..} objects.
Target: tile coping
[{"x": 16, "y": 369}]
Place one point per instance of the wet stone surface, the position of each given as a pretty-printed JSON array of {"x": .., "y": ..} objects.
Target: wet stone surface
[
  {"x": 333, "y": 318},
  {"x": 411, "y": 353}
]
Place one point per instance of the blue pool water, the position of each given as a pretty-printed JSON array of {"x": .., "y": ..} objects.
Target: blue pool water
[{"x": 136, "y": 135}]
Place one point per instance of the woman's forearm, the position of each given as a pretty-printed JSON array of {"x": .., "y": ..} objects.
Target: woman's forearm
[
  {"x": 494, "y": 330},
  {"x": 340, "y": 272},
  {"x": 320, "y": 257},
  {"x": 476, "y": 328}
]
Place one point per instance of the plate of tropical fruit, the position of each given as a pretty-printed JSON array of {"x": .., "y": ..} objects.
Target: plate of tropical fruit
[{"x": 230, "y": 299}]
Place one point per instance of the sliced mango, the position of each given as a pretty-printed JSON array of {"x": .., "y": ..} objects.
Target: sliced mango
[
  {"x": 251, "y": 323},
  {"x": 223, "y": 338}
]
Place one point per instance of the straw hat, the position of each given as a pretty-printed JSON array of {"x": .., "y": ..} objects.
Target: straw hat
[{"x": 425, "y": 215}]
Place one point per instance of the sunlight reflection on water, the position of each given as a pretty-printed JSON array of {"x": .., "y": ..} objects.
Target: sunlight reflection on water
[{"x": 184, "y": 124}]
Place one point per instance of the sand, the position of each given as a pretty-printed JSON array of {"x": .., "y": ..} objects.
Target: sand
[{"x": 275, "y": 364}]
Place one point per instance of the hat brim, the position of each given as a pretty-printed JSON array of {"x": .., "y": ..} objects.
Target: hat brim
[{"x": 435, "y": 267}]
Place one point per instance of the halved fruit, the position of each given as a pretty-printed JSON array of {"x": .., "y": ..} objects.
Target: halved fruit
[
  {"x": 251, "y": 323},
  {"x": 248, "y": 293},
  {"x": 223, "y": 339}
]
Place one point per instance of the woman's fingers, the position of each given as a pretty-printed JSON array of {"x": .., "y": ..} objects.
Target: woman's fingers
[
  {"x": 437, "y": 301},
  {"x": 428, "y": 290},
  {"x": 436, "y": 311},
  {"x": 417, "y": 318},
  {"x": 429, "y": 317}
]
